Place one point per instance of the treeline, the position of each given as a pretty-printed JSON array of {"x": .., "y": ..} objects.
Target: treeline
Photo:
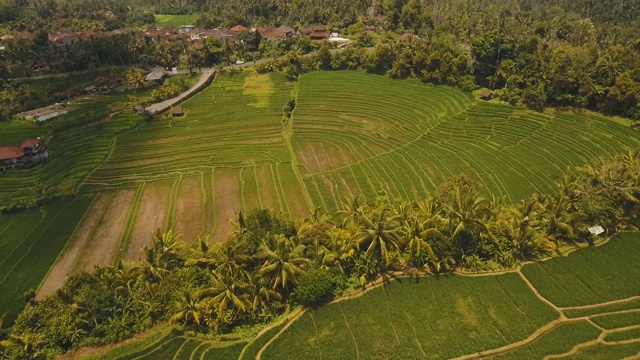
[
  {"x": 79, "y": 15},
  {"x": 535, "y": 52},
  {"x": 270, "y": 263}
]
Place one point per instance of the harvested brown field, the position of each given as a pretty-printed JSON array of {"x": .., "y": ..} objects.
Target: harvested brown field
[
  {"x": 227, "y": 200},
  {"x": 101, "y": 250},
  {"x": 188, "y": 209},
  {"x": 151, "y": 215}
]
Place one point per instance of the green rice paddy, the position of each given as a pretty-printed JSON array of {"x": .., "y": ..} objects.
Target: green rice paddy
[
  {"x": 175, "y": 20},
  {"x": 30, "y": 241}
]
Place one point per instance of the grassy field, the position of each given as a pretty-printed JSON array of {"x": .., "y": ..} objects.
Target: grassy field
[
  {"x": 175, "y": 20},
  {"x": 30, "y": 241},
  {"x": 588, "y": 277},
  {"x": 454, "y": 316}
]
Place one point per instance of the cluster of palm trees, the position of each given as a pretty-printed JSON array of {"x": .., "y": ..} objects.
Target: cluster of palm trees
[{"x": 256, "y": 273}]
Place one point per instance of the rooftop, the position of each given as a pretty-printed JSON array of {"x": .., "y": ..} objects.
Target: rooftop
[{"x": 8, "y": 152}]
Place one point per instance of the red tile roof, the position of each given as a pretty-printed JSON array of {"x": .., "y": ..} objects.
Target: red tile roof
[
  {"x": 29, "y": 143},
  {"x": 271, "y": 33},
  {"x": 238, "y": 28},
  {"x": 10, "y": 152}
]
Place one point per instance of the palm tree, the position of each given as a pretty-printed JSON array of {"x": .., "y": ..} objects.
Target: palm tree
[
  {"x": 283, "y": 261},
  {"x": 315, "y": 217},
  {"x": 261, "y": 293},
  {"x": 559, "y": 220},
  {"x": 135, "y": 77},
  {"x": 126, "y": 275},
  {"x": 352, "y": 211},
  {"x": 165, "y": 250},
  {"x": 228, "y": 288},
  {"x": 21, "y": 345},
  {"x": 523, "y": 224},
  {"x": 379, "y": 236},
  {"x": 199, "y": 253},
  {"x": 420, "y": 252},
  {"x": 189, "y": 308},
  {"x": 468, "y": 216}
]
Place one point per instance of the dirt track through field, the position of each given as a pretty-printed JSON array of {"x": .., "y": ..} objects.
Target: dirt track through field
[
  {"x": 188, "y": 211},
  {"x": 227, "y": 201},
  {"x": 103, "y": 246},
  {"x": 65, "y": 264},
  {"x": 151, "y": 215}
]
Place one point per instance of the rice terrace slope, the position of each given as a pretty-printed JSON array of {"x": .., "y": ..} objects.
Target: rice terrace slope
[{"x": 350, "y": 133}]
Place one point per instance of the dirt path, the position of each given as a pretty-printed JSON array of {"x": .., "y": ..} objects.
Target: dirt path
[
  {"x": 292, "y": 318},
  {"x": 541, "y": 331},
  {"x": 535, "y": 291},
  {"x": 613, "y": 302}
]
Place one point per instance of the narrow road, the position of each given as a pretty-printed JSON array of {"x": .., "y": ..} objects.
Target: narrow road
[{"x": 205, "y": 78}]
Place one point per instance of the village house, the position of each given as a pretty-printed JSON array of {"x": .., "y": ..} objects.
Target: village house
[
  {"x": 486, "y": 94},
  {"x": 287, "y": 31},
  {"x": 157, "y": 74},
  {"x": 319, "y": 32},
  {"x": 236, "y": 29},
  {"x": 30, "y": 149},
  {"x": 271, "y": 33},
  {"x": 10, "y": 156},
  {"x": 177, "y": 111}
]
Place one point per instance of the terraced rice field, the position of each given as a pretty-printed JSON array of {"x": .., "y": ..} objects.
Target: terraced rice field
[
  {"x": 357, "y": 133},
  {"x": 195, "y": 173},
  {"x": 30, "y": 241},
  {"x": 476, "y": 317},
  {"x": 351, "y": 133},
  {"x": 73, "y": 153}
]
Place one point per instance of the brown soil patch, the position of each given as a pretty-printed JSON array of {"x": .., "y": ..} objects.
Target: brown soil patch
[
  {"x": 267, "y": 188},
  {"x": 209, "y": 214},
  {"x": 64, "y": 266},
  {"x": 227, "y": 200},
  {"x": 151, "y": 215},
  {"x": 103, "y": 246},
  {"x": 250, "y": 197},
  {"x": 188, "y": 209}
]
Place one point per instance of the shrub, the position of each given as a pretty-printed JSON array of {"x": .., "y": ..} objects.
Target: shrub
[{"x": 314, "y": 287}]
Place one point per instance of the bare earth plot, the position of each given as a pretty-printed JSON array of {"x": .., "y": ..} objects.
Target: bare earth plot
[
  {"x": 151, "y": 214},
  {"x": 103, "y": 247}
]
